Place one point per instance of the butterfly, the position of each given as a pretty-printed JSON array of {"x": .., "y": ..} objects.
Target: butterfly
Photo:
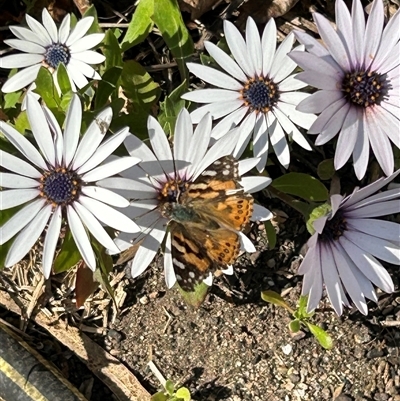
[{"x": 205, "y": 218}]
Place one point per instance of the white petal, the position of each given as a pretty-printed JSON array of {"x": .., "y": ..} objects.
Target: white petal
[
  {"x": 56, "y": 133},
  {"x": 50, "y": 242},
  {"x": 23, "y": 145},
  {"x": 147, "y": 250},
  {"x": 346, "y": 272},
  {"x": 238, "y": 47},
  {"x": 80, "y": 30},
  {"x": 64, "y": 29},
  {"x": 89, "y": 57},
  {"x": 13, "y": 163},
  {"x": 21, "y": 79},
  {"x": 104, "y": 150},
  {"x": 217, "y": 110},
  {"x": 225, "y": 61},
  {"x": 49, "y": 25},
  {"x": 72, "y": 129},
  {"x": 28, "y": 236},
  {"x": 358, "y": 22},
  {"x": 229, "y": 122},
  {"x": 373, "y": 32},
  {"x": 81, "y": 238},
  {"x": 280, "y": 145},
  {"x": 105, "y": 195},
  {"x": 24, "y": 46},
  {"x": 268, "y": 43},
  {"x": 77, "y": 77},
  {"x": 331, "y": 279},
  {"x": 260, "y": 213},
  {"x": 20, "y": 219},
  {"x": 40, "y": 129},
  {"x": 169, "y": 273},
  {"x": 253, "y": 42},
  {"x": 8, "y": 180},
  {"x": 39, "y": 29},
  {"x": 108, "y": 215},
  {"x": 182, "y": 137},
  {"x": 84, "y": 68},
  {"x": 86, "y": 42},
  {"x": 246, "y": 244},
  {"x": 332, "y": 41},
  {"x": 95, "y": 227},
  {"x": 28, "y": 35},
  {"x": 282, "y": 65},
  {"x": 15, "y": 197},
  {"x": 111, "y": 168},
  {"x": 211, "y": 95},
  {"x": 255, "y": 184},
  {"x": 369, "y": 266},
  {"x": 246, "y": 128},
  {"x": 214, "y": 77},
  {"x": 159, "y": 143},
  {"x": 199, "y": 143},
  {"x": 93, "y": 137}
]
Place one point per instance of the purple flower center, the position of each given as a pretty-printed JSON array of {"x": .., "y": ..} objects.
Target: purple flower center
[
  {"x": 260, "y": 94},
  {"x": 334, "y": 228},
  {"x": 364, "y": 88},
  {"x": 60, "y": 186},
  {"x": 57, "y": 53}
]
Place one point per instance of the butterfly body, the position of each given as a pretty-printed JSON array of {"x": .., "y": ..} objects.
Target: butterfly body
[{"x": 206, "y": 217}]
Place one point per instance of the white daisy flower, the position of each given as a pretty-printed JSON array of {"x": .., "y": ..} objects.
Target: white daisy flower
[
  {"x": 257, "y": 92},
  {"x": 58, "y": 182},
  {"x": 162, "y": 178},
  {"x": 45, "y": 45},
  {"x": 344, "y": 251},
  {"x": 358, "y": 73}
]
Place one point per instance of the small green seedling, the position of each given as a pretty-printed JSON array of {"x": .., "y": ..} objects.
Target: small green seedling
[
  {"x": 301, "y": 317},
  {"x": 170, "y": 393}
]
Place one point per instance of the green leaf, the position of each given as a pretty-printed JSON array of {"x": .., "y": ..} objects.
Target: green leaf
[
  {"x": 105, "y": 264},
  {"x": 140, "y": 25},
  {"x": 316, "y": 213},
  {"x": 275, "y": 298},
  {"x": 197, "y": 296},
  {"x": 69, "y": 255},
  {"x": 168, "y": 19},
  {"x": 301, "y": 185},
  {"x": 142, "y": 92},
  {"x": 294, "y": 325},
  {"x": 107, "y": 86},
  {"x": 91, "y": 11},
  {"x": 21, "y": 123},
  {"x": 171, "y": 107},
  {"x": 11, "y": 99},
  {"x": 326, "y": 169},
  {"x": 111, "y": 51},
  {"x": 170, "y": 387},
  {"x": 183, "y": 393},
  {"x": 271, "y": 234},
  {"x": 321, "y": 335},
  {"x": 138, "y": 85},
  {"x": 46, "y": 88},
  {"x": 160, "y": 396},
  {"x": 63, "y": 79}
]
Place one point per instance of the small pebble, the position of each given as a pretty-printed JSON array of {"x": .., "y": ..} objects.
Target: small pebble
[
  {"x": 144, "y": 300},
  {"x": 287, "y": 349},
  {"x": 374, "y": 353}
]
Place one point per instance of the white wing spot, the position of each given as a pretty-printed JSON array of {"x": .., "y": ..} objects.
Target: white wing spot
[
  {"x": 178, "y": 264},
  {"x": 225, "y": 172},
  {"x": 211, "y": 173},
  {"x": 191, "y": 274}
]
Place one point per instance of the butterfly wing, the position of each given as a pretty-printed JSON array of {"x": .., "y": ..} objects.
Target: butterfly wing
[
  {"x": 197, "y": 251},
  {"x": 216, "y": 193}
]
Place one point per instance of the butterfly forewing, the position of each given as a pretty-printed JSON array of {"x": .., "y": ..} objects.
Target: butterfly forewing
[{"x": 204, "y": 231}]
